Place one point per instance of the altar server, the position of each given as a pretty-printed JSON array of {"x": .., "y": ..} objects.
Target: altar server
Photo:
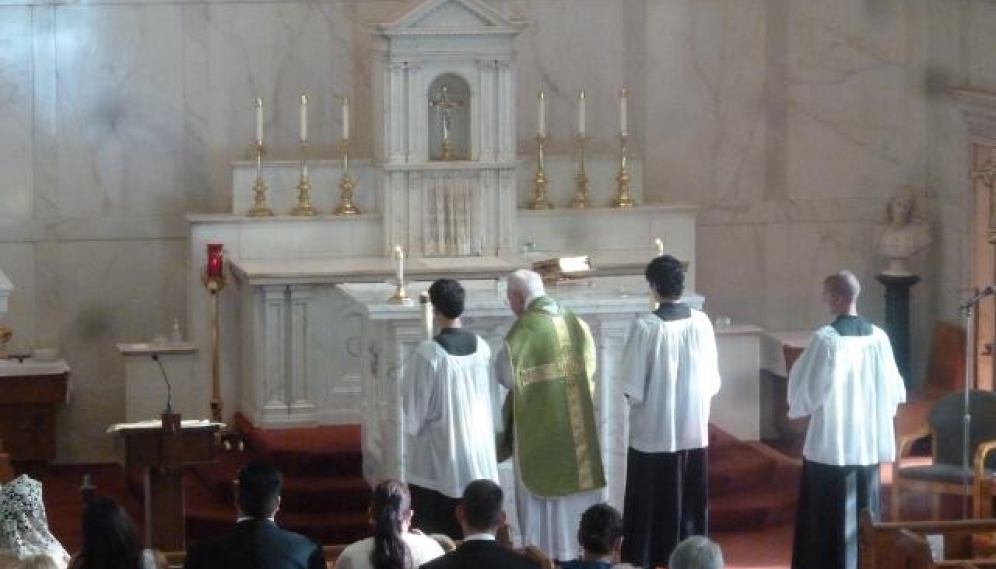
[
  {"x": 847, "y": 382},
  {"x": 548, "y": 363},
  {"x": 669, "y": 373},
  {"x": 448, "y": 415}
]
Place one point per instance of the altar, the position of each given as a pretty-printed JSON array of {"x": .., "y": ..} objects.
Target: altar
[{"x": 304, "y": 331}]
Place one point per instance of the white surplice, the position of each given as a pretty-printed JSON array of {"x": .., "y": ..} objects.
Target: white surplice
[
  {"x": 850, "y": 387},
  {"x": 448, "y": 418},
  {"x": 669, "y": 372}
]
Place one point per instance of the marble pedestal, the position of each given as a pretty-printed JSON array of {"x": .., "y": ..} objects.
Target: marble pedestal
[{"x": 897, "y": 319}]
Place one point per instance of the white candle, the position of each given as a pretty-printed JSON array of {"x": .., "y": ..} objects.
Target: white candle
[
  {"x": 304, "y": 118},
  {"x": 259, "y": 121},
  {"x": 399, "y": 254},
  {"x": 659, "y": 247},
  {"x": 345, "y": 118},
  {"x": 622, "y": 112},
  {"x": 541, "y": 127},
  {"x": 581, "y": 113}
]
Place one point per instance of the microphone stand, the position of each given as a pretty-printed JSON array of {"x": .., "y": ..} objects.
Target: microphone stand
[
  {"x": 967, "y": 312},
  {"x": 170, "y": 419}
]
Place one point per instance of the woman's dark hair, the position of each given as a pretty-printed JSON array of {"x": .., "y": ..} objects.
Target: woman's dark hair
[
  {"x": 110, "y": 539},
  {"x": 665, "y": 274},
  {"x": 601, "y": 527},
  {"x": 388, "y": 505}
]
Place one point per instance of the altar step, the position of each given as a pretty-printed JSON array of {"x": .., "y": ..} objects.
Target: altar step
[{"x": 751, "y": 486}]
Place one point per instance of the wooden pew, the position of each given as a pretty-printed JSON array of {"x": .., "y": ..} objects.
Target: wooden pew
[
  {"x": 6, "y": 470},
  {"x": 884, "y": 545}
]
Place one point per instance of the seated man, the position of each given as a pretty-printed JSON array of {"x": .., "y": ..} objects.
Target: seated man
[
  {"x": 448, "y": 418},
  {"x": 696, "y": 552},
  {"x": 257, "y": 541},
  {"x": 481, "y": 515}
]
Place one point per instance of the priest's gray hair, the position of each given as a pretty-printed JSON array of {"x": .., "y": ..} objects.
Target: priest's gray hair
[
  {"x": 696, "y": 552},
  {"x": 843, "y": 284},
  {"x": 526, "y": 283}
]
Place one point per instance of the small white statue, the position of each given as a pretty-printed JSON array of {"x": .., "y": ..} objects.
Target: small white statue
[{"x": 904, "y": 235}]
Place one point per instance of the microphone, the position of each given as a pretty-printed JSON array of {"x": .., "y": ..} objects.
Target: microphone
[
  {"x": 986, "y": 291},
  {"x": 169, "y": 390}
]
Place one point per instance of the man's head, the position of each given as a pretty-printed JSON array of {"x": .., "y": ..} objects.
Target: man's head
[
  {"x": 696, "y": 552},
  {"x": 522, "y": 286},
  {"x": 840, "y": 293},
  {"x": 601, "y": 531},
  {"x": 480, "y": 509},
  {"x": 257, "y": 492},
  {"x": 447, "y": 298},
  {"x": 665, "y": 277}
]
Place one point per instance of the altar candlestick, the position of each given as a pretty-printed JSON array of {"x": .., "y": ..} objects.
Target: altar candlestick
[
  {"x": 399, "y": 254},
  {"x": 426, "y": 305},
  {"x": 304, "y": 118},
  {"x": 541, "y": 127},
  {"x": 623, "y": 96},
  {"x": 345, "y": 118},
  {"x": 259, "y": 121},
  {"x": 659, "y": 247},
  {"x": 581, "y": 113}
]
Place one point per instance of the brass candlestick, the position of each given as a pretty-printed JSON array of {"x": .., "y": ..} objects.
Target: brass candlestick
[
  {"x": 346, "y": 206},
  {"x": 259, "y": 207},
  {"x": 580, "y": 200},
  {"x": 623, "y": 200},
  {"x": 400, "y": 295},
  {"x": 540, "y": 201},
  {"x": 304, "y": 206}
]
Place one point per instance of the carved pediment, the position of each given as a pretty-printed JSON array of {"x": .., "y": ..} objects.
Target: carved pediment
[{"x": 449, "y": 16}]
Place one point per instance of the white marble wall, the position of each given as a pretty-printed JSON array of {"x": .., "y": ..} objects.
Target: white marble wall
[{"x": 789, "y": 121}]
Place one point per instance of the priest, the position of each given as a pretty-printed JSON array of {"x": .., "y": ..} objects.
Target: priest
[
  {"x": 669, "y": 373},
  {"x": 548, "y": 364},
  {"x": 449, "y": 424},
  {"x": 847, "y": 383}
]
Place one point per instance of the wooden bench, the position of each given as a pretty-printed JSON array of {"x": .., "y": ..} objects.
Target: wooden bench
[
  {"x": 885, "y": 545},
  {"x": 6, "y": 470}
]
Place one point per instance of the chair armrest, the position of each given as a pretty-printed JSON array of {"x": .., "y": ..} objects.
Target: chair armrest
[
  {"x": 906, "y": 442},
  {"x": 979, "y": 461}
]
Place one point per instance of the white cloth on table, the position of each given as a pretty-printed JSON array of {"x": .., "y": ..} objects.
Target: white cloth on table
[
  {"x": 448, "y": 418},
  {"x": 851, "y": 388},
  {"x": 669, "y": 373}
]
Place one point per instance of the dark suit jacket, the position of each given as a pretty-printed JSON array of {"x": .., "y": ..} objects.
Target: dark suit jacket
[
  {"x": 256, "y": 544},
  {"x": 481, "y": 554}
]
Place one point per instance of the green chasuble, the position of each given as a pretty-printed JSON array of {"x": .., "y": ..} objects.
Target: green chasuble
[{"x": 553, "y": 364}]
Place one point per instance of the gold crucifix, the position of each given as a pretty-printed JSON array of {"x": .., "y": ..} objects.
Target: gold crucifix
[{"x": 444, "y": 108}]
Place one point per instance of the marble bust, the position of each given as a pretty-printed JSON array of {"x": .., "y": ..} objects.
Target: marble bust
[{"x": 903, "y": 236}]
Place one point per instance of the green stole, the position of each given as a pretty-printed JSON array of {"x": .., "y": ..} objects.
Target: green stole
[{"x": 553, "y": 364}]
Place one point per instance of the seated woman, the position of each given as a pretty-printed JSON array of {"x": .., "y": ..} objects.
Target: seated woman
[
  {"x": 393, "y": 545},
  {"x": 600, "y": 535},
  {"x": 110, "y": 539},
  {"x": 24, "y": 526}
]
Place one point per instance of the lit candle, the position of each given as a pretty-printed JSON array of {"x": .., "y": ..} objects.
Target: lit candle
[
  {"x": 259, "y": 121},
  {"x": 423, "y": 299},
  {"x": 541, "y": 128},
  {"x": 622, "y": 112},
  {"x": 399, "y": 254},
  {"x": 304, "y": 118},
  {"x": 659, "y": 247},
  {"x": 581, "y": 113},
  {"x": 345, "y": 118},
  {"x": 215, "y": 260}
]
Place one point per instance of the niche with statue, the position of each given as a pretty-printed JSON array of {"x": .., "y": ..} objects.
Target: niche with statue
[{"x": 449, "y": 118}]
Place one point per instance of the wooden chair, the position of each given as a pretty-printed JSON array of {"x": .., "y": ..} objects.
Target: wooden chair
[
  {"x": 945, "y": 474},
  {"x": 888, "y": 545}
]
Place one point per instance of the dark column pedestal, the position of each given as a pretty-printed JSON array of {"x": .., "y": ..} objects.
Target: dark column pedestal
[{"x": 897, "y": 319}]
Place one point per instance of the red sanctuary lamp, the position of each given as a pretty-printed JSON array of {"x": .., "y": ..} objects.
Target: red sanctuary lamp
[{"x": 214, "y": 280}]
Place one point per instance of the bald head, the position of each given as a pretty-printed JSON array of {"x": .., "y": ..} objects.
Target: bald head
[
  {"x": 841, "y": 291},
  {"x": 523, "y": 285}
]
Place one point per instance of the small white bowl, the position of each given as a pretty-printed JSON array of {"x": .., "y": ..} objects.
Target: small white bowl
[{"x": 45, "y": 354}]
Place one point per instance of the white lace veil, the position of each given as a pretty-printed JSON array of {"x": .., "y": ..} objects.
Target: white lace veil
[{"x": 23, "y": 523}]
